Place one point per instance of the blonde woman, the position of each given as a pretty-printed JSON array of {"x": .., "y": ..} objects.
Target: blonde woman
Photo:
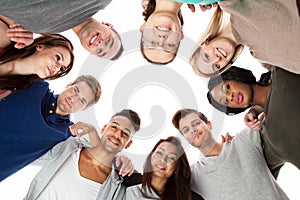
[{"x": 269, "y": 28}]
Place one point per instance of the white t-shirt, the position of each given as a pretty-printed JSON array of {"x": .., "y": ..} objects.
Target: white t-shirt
[{"x": 68, "y": 184}]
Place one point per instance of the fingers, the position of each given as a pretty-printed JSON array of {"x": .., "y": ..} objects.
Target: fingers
[
  {"x": 127, "y": 166},
  {"x": 261, "y": 117},
  {"x": 145, "y": 3},
  {"x": 191, "y": 7},
  {"x": 254, "y": 124},
  {"x": 20, "y": 35},
  {"x": 79, "y": 129},
  {"x": 73, "y": 129},
  {"x": 223, "y": 139}
]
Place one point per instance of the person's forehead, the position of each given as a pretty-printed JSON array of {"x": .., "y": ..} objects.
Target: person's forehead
[
  {"x": 168, "y": 147},
  {"x": 123, "y": 122},
  {"x": 186, "y": 120}
]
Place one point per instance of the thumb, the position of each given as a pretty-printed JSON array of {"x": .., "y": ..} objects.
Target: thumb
[{"x": 223, "y": 139}]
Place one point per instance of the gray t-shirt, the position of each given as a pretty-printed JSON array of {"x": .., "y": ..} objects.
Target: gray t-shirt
[
  {"x": 270, "y": 28},
  {"x": 239, "y": 172},
  {"x": 50, "y": 16}
]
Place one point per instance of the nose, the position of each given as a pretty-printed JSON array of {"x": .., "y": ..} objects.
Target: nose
[
  {"x": 56, "y": 68},
  {"x": 194, "y": 130},
  {"x": 230, "y": 96},
  {"x": 162, "y": 38},
  {"x": 163, "y": 159},
  {"x": 216, "y": 58},
  {"x": 75, "y": 98}
]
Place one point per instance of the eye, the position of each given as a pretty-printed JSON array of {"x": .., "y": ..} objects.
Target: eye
[
  {"x": 185, "y": 131},
  {"x": 153, "y": 43},
  {"x": 171, "y": 159},
  {"x": 99, "y": 50},
  {"x": 107, "y": 40},
  {"x": 225, "y": 101},
  {"x": 125, "y": 135},
  {"x": 195, "y": 124},
  {"x": 171, "y": 45},
  {"x": 227, "y": 87},
  {"x": 206, "y": 56},
  {"x": 216, "y": 66},
  {"x": 76, "y": 89},
  {"x": 57, "y": 57},
  {"x": 62, "y": 68},
  {"x": 82, "y": 101},
  {"x": 114, "y": 127},
  {"x": 158, "y": 153}
]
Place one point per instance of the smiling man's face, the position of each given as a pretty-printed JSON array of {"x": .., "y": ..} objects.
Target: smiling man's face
[
  {"x": 194, "y": 129},
  {"x": 74, "y": 98}
]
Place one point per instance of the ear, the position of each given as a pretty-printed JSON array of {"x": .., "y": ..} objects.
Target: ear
[
  {"x": 209, "y": 124},
  {"x": 103, "y": 128},
  {"x": 142, "y": 27},
  {"x": 182, "y": 34},
  {"x": 128, "y": 144},
  {"x": 107, "y": 24}
]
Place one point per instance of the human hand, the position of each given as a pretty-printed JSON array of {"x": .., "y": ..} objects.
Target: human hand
[
  {"x": 20, "y": 35},
  {"x": 127, "y": 167},
  {"x": 227, "y": 138},
  {"x": 80, "y": 128},
  {"x": 254, "y": 122},
  {"x": 145, "y": 4}
]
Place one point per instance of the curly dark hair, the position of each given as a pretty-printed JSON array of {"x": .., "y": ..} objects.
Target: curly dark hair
[{"x": 236, "y": 74}]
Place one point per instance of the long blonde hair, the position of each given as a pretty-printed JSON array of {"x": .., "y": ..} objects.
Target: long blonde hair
[{"x": 216, "y": 24}]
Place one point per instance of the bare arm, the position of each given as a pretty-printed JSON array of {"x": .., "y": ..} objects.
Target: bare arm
[
  {"x": 15, "y": 32},
  {"x": 80, "y": 128}
]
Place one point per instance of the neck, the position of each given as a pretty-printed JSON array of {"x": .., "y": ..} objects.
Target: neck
[
  {"x": 102, "y": 156},
  {"x": 77, "y": 28},
  {"x": 260, "y": 95},
  {"x": 166, "y": 5},
  {"x": 210, "y": 147},
  {"x": 158, "y": 184},
  {"x": 17, "y": 67}
]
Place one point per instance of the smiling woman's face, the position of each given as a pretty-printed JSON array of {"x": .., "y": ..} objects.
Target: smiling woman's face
[{"x": 212, "y": 56}]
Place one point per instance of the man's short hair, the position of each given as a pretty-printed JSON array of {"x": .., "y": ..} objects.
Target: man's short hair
[
  {"x": 184, "y": 112},
  {"x": 93, "y": 83},
  {"x": 132, "y": 116}
]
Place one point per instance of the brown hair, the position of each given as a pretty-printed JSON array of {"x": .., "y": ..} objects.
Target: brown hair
[
  {"x": 178, "y": 186},
  {"x": 10, "y": 53},
  {"x": 132, "y": 116},
  {"x": 93, "y": 83},
  {"x": 184, "y": 112}
]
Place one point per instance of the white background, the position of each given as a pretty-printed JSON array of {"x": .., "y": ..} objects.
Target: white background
[{"x": 150, "y": 96}]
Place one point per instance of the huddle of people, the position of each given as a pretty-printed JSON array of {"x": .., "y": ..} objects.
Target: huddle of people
[{"x": 74, "y": 167}]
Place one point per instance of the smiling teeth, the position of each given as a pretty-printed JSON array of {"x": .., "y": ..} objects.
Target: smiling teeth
[
  {"x": 163, "y": 28},
  {"x": 222, "y": 52},
  {"x": 93, "y": 39}
]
